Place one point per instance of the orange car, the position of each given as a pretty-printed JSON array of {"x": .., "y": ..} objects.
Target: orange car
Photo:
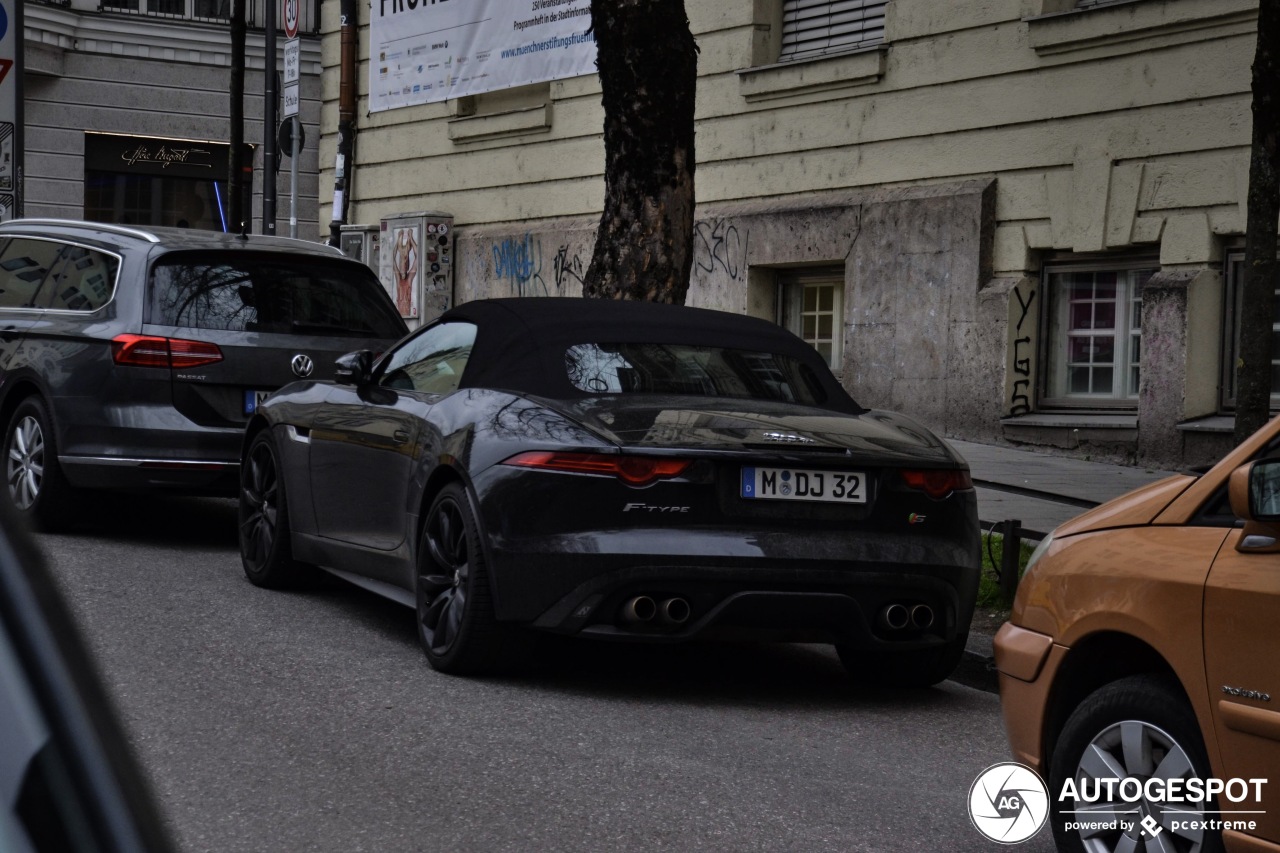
[{"x": 1140, "y": 667}]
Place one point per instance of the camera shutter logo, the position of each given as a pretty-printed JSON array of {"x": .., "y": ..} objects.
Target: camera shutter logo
[
  {"x": 1008, "y": 802},
  {"x": 302, "y": 366}
]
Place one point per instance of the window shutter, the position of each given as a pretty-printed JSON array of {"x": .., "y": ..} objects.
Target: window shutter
[{"x": 813, "y": 28}]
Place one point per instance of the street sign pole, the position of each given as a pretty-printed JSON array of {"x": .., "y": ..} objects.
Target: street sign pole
[
  {"x": 292, "y": 101},
  {"x": 270, "y": 156},
  {"x": 293, "y": 179}
]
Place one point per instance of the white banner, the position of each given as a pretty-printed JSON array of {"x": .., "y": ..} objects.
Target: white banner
[{"x": 430, "y": 50}]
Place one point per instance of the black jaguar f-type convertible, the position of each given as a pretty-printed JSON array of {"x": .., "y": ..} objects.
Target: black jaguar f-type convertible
[{"x": 618, "y": 470}]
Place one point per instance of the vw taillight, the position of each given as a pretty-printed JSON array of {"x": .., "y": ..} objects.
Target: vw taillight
[{"x": 153, "y": 351}]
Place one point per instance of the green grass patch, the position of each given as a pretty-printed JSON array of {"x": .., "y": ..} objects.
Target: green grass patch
[{"x": 992, "y": 554}]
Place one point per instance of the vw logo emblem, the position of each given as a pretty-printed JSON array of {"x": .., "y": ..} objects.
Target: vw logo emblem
[{"x": 302, "y": 365}]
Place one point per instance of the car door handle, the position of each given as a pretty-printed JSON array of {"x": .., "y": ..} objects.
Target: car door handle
[{"x": 400, "y": 436}]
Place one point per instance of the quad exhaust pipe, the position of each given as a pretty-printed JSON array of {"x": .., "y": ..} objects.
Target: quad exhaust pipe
[
  {"x": 640, "y": 609},
  {"x": 900, "y": 617}
]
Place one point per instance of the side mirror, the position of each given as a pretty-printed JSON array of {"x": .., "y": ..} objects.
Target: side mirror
[
  {"x": 355, "y": 368},
  {"x": 1254, "y": 490}
]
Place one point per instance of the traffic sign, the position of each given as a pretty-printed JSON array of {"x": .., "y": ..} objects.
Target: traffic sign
[
  {"x": 292, "y": 61},
  {"x": 291, "y": 18},
  {"x": 290, "y": 100}
]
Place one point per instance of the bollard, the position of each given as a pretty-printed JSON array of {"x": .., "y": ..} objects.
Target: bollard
[{"x": 1009, "y": 560}]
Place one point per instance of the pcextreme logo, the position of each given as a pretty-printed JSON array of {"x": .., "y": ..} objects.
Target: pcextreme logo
[{"x": 1008, "y": 802}]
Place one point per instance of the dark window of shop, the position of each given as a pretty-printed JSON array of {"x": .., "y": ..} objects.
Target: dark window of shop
[
  {"x": 136, "y": 180},
  {"x": 1093, "y": 333},
  {"x": 1235, "y": 307}
]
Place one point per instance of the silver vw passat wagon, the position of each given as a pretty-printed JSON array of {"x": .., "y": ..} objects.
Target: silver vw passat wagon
[{"x": 131, "y": 358}]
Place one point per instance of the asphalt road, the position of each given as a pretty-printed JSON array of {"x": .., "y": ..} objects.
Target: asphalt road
[{"x": 310, "y": 721}]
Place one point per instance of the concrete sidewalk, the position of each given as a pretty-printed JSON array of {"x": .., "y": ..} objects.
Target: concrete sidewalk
[{"x": 1041, "y": 491}]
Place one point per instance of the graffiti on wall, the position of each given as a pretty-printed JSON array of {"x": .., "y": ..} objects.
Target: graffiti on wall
[
  {"x": 519, "y": 262},
  {"x": 718, "y": 246},
  {"x": 1020, "y": 404},
  {"x": 568, "y": 269}
]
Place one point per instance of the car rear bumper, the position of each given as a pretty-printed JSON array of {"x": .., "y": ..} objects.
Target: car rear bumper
[{"x": 815, "y": 601}]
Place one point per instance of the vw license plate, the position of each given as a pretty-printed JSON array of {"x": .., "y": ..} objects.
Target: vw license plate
[
  {"x": 253, "y": 399},
  {"x": 798, "y": 484}
]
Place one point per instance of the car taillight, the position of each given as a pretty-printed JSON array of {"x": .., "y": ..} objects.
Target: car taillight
[
  {"x": 938, "y": 483},
  {"x": 633, "y": 470},
  {"x": 151, "y": 351}
]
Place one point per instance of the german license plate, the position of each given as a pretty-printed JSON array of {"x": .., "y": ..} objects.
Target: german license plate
[
  {"x": 253, "y": 399},
  {"x": 800, "y": 484}
]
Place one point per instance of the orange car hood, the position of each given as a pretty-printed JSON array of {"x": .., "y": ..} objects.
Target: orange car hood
[{"x": 1129, "y": 510}]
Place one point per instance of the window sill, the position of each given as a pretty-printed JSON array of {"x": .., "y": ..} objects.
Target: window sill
[
  {"x": 499, "y": 125},
  {"x": 1212, "y": 424},
  {"x": 1129, "y": 20},
  {"x": 1071, "y": 429},
  {"x": 803, "y": 77}
]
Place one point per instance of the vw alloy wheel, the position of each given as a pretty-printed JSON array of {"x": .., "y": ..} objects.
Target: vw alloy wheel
[{"x": 25, "y": 473}]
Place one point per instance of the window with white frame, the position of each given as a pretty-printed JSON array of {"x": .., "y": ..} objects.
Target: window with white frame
[
  {"x": 1094, "y": 333},
  {"x": 812, "y": 307},
  {"x": 1235, "y": 303},
  {"x": 814, "y": 28}
]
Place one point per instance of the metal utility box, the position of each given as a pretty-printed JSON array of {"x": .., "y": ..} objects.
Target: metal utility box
[
  {"x": 360, "y": 242},
  {"x": 415, "y": 264}
]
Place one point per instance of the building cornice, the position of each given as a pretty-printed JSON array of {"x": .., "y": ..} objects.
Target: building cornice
[{"x": 51, "y": 31}]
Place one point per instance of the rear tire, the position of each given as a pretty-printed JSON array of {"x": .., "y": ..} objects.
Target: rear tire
[
  {"x": 266, "y": 549},
  {"x": 456, "y": 624},
  {"x": 914, "y": 668},
  {"x": 34, "y": 483}
]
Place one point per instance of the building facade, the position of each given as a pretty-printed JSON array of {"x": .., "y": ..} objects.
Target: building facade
[
  {"x": 1018, "y": 220},
  {"x": 127, "y": 114}
]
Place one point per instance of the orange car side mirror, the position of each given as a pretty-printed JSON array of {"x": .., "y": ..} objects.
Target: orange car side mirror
[{"x": 1254, "y": 490}]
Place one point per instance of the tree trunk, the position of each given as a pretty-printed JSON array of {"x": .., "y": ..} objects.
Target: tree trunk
[
  {"x": 1253, "y": 371},
  {"x": 648, "y": 67},
  {"x": 235, "y": 164}
]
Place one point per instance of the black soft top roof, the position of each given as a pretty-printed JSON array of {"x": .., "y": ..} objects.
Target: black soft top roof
[{"x": 522, "y": 341}]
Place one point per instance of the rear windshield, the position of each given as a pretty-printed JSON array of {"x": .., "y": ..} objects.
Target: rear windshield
[
  {"x": 242, "y": 293},
  {"x": 647, "y": 368}
]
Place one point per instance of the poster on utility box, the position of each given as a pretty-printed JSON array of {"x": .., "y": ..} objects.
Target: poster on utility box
[{"x": 430, "y": 50}]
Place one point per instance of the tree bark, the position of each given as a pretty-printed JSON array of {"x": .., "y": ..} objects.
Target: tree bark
[
  {"x": 648, "y": 67},
  {"x": 1257, "y": 304},
  {"x": 235, "y": 159}
]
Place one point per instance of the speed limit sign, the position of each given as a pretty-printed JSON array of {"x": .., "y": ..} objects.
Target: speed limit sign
[{"x": 290, "y": 18}]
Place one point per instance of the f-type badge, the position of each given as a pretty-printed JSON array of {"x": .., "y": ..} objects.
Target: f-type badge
[{"x": 302, "y": 366}]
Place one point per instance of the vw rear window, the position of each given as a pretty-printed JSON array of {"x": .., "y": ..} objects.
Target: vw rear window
[
  {"x": 283, "y": 296},
  {"x": 649, "y": 368}
]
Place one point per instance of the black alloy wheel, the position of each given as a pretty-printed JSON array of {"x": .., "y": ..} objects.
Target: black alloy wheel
[
  {"x": 1139, "y": 728},
  {"x": 456, "y": 624},
  {"x": 265, "y": 547},
  {"x": 35, "y": 485}
]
